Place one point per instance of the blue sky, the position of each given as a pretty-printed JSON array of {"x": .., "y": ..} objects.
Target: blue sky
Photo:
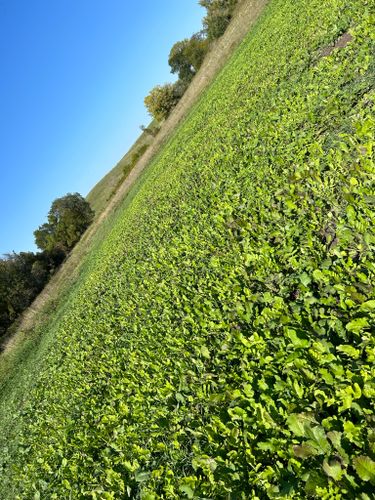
[{"x": 74, "y": 74}]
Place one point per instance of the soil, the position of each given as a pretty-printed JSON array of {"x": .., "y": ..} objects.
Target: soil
[{"x": 340, "y": 43}]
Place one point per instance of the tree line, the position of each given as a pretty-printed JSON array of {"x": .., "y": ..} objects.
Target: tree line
[
  {"x": 23, "y": 275},
  {"x": 187, "y": 56}
]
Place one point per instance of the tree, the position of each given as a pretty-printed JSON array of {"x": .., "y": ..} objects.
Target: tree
[
  {"x": 68, "y": 218},
  {"x": 178, "y": 62},
  {"x": 22, "y": 277},
  {"x": 219, "y": 15},
  {"x": 161, "y": 100},
  {"x": 186, "y": 57}
]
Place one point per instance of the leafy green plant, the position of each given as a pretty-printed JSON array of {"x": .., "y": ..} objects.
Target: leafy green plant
[{"x": 220, "y": 343}]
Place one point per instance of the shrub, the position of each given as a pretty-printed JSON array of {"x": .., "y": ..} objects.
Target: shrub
[{"x": 161, "y": 100}]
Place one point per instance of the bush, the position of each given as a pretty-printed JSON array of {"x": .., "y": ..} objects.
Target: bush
[{"x": 161, "y": 100}]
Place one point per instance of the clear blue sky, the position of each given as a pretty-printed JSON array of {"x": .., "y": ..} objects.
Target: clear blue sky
[{"x": 74, "y": 74}]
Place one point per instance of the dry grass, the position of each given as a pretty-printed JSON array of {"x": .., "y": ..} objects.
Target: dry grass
[
  {"x": 246, "y": 14},
  {"x": 102, "y": 192}
]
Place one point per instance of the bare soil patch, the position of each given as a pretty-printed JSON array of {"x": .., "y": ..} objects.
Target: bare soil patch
[{"x": 340, "y": 43}]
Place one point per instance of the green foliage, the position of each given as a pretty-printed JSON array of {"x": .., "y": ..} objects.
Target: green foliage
[
  {"x": 186, "y": 57},
  {"x": 161, "y": 100},
  {"x": 22, "y": 277},
  {"x": 219, "y": 15},
  {"x": 68, "y": 218},
  {"x": 221, "y": 343},
  {"x": 365, "y": 468}
]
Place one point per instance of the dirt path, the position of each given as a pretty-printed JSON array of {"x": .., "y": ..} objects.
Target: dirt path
[{"x": 246, "y": 14}]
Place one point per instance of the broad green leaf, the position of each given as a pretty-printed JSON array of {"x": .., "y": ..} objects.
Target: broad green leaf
[
  {"x": 298, "y": 389},
  {"x": 368, "y": 306},
  {"x": 187, "y": 489},
  {"x": 335, "y": 438},
  {"x": 349, "y": 350},
  {"x": 304, "y": 450},
  {"x": 318, "y": 275},
  {"x": 205, "y": 352},
  {"x": 333, "y": 469},
  {"x": 297, "y": 424},
  {"x": 66, "y": 484},
  {"x": 357, "y": 393},
  {"x": 180, "y": 398},
  {"x": 318, "y": 440},
  {"x": 353, "y": 432},
  {"x": 365, "y": 468},
  {"x": 305, "y": 279},
  {"x": 357, "y": 325},
  {"x": 237, "y": 413},
  {"x": 147, "y": 496},
  {"x": 140, "y": 476},
  {"x": 266, "y": 446},
  {"x": 297, "y": 340}
]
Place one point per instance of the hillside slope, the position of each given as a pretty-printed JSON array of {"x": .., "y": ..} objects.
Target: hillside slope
[
  {"x": 102, "y": 192},
  {"x": 245, "y": 14},
  {"x": 220, "y": 341},
  {"x": 108, "y": 195}
]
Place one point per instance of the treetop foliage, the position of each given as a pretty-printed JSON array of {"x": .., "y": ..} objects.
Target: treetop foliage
[
  {"x": 68, "y": 218},
  {"x": 186, "y": 57},
  {"x": 219, "y": 15},
  {"x": 161, "y": 100}
]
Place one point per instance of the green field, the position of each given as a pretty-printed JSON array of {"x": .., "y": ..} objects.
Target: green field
[{"x": 220, "y": 341}]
